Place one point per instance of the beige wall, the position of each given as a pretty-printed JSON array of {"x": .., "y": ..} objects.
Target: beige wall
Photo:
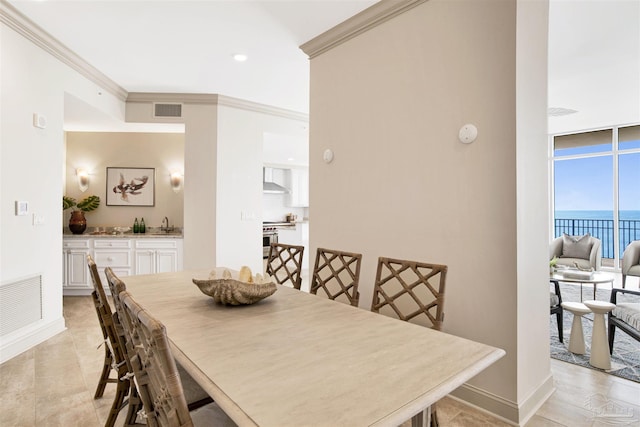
[
  {"x": 95, "y": 151},
  {"x": 390, "y": 103}
]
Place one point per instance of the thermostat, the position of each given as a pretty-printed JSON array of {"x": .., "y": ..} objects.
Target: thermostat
[{"x": 22, "y": 208}]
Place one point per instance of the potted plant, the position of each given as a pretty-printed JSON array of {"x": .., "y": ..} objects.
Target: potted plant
[
  {"x": 78, "y": 223},
  {"x": 552, "y": 264}
]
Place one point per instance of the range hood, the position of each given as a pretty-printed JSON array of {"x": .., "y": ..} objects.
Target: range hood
[{"x": 268, "y": 186}]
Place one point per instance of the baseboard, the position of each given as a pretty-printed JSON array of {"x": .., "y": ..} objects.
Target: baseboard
[
  {"x": 76, "y": 292},
  {"x": 28, "y": 337},
  {"x": 503, "y": 409}
]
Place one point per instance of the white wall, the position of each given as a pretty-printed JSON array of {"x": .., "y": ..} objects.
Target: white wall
[
  {"x": 96, "y": 151},
  {"x": 31, "y": 169},
  {"x": 389, "y": 103}
]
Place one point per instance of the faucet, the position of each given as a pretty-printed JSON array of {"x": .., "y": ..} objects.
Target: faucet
[{"x": 163, "y": 227}]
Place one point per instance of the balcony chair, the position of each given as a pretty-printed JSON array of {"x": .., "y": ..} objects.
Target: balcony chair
[
  {"x": 157, "y": 375},
  {"x": 114, "y": 353},
  {"x": 582, "y": 252},
  {"x": 626, "y": 315},
  {"x": 414, "y": 292},
  {"x": 195, "y": 395},
  {"x": 284, "y": 264},
  {"x": 631, "y": 261},
  {"x": 555, "y": 304},
  {"x": 337, "y": 274}
]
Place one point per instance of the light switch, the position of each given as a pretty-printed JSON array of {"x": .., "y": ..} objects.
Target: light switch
[{"x": 22, "y": 208}]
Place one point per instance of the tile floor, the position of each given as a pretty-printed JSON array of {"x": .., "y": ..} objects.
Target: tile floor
[{"x": 53, "y": 384}]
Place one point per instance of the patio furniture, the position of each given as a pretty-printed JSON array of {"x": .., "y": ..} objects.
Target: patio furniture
[
  {"x": 582, "y": 252},
  {"x": 157, "y": 375},
  {"x": 337, "y": 274},
  {"x": 626, "y": 315},
  {"x": 284, "y": 264},
  {"x": 600, "y": 357},
  {"x": 631, "y": 261},
  {"x": 576, "y": 339},
  {"x": 555, "y": 304}
]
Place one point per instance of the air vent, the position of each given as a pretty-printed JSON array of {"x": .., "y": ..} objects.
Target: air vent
[
  {"x": 20, "y": 304},
  {"x": 167, "y": 110}
]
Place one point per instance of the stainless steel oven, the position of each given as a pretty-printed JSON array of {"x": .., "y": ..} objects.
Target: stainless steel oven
[{"x": 269, "y": 236}]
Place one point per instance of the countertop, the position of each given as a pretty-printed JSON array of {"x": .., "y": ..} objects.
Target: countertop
[{"x": 109, "y": 233}]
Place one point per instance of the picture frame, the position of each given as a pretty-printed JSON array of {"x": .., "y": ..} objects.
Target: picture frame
[{"x": 131, "y": 186}]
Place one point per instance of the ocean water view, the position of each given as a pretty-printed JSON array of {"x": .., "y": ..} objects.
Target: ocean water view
[
  {"x": 627, "y": 215},
  {"x": 599, "y": 223}
]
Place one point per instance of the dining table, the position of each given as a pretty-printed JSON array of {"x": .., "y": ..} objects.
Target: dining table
[{"x": 297, "y": 359}]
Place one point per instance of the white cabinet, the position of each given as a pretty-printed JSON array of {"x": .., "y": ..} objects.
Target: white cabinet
[
  {"x": 158, "y": 256},
  {"x": 299, "y": 187},
  {"x": 74, "y": 265},
  {"x": 113, "y": 253},
  {"x": 124, "y": 256}
]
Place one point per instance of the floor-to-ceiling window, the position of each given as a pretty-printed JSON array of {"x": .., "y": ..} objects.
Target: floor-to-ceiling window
[{"x": 596, "y": 187}]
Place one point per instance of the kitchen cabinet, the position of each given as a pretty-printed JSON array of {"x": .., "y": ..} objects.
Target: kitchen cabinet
[
  {"x": 113, "y": 253},
  {"x": 125, "y": 256},
  {"x": 158, "y": 256},
  {"x": 299, "y": 187},
  {"x": 75, "y": 273}
]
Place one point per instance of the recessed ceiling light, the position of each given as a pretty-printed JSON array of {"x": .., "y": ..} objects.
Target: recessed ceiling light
[{"x": 240, "y": 57}]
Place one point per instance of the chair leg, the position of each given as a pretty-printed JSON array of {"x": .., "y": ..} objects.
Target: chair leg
[
  {"x": 624, "y": 279},
  {"x": 612, "y": 332},
  {"x": 434, "y": 416},
  {"x": 104, "y": 377},
  {"x": 560, "y": 326},
  {"x": 135, "y": 404},
  {"x": 122, "y": 390}
]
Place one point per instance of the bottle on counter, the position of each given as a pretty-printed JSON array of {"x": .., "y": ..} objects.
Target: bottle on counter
[
  {"x": 142, "y": 227},
  {"x": 136, "y": 226}
]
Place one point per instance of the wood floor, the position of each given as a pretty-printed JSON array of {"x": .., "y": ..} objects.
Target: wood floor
[{"x": 53, "y": 384}]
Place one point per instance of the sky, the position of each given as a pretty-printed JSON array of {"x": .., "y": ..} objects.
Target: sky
[{"x": 587, "y": 183}]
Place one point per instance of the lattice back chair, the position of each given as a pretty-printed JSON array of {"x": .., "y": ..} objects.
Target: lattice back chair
[
  {"x": 336, "y": 274},
  {"x": 411, "y": 291},
  {"x": 114, "y": 352},
  {"x": 196, "y": 396},
  {"x": 284, "y": 263},
  {"x": 123, "y": 333},
  {"x": 414, "y": 292},
  {"x": 158, "y": 379}
]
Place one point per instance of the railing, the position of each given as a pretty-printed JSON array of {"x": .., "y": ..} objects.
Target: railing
[{"x": 629, "y": 230}]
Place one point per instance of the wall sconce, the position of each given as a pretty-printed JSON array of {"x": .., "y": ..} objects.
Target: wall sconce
[
  {"x": 176, "y": 181},
  {"x": 83, "y": 179}
]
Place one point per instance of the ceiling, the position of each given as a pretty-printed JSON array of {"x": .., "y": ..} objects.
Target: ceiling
[{"x": 188, "y": 46}]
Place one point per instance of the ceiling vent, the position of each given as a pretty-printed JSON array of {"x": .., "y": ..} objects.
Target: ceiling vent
[{"x": 167, "y": 110}]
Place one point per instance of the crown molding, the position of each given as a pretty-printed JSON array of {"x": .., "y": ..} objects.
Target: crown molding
[
  {"x": 357, "y": 24},
  {"x": 32, "y": 32},
  {"x": 215, "y": 99}
]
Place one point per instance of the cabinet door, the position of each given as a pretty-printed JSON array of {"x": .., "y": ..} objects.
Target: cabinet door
[
  {"x": 166, "y": 261},
  {"x": 145, "y": 261},
  {"x": 77, "y": 272},
  {"x": 299, "y": 196}
]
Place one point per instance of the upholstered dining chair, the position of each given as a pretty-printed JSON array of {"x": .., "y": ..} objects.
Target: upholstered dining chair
[
  {"x": 555, "y": 304},
  {"x": 284, "y": 264},
  {"x": 114, "y": 353},
  {"x": 195, "y": 395},
  {"x": 157, "y": 374},
  {"x": 583, "y": 252},
  {"x": 631, "y": 261},
  {"x": 626, "y": 315},
  {"x": 336, "y": 275},
  {"x": 413, "y": 292}
]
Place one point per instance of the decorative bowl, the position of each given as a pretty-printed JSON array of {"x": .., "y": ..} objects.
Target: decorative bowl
[{"x": 229, "y": 291}]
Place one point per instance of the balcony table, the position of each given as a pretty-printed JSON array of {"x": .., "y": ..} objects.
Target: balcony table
[{"x": 298, "y": 359}]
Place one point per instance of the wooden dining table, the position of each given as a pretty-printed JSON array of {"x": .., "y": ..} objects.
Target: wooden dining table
[{"x": 296, "y": 359}]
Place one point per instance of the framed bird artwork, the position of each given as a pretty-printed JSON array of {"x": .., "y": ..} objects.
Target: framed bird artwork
[{"x": 131, "y": 186}]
